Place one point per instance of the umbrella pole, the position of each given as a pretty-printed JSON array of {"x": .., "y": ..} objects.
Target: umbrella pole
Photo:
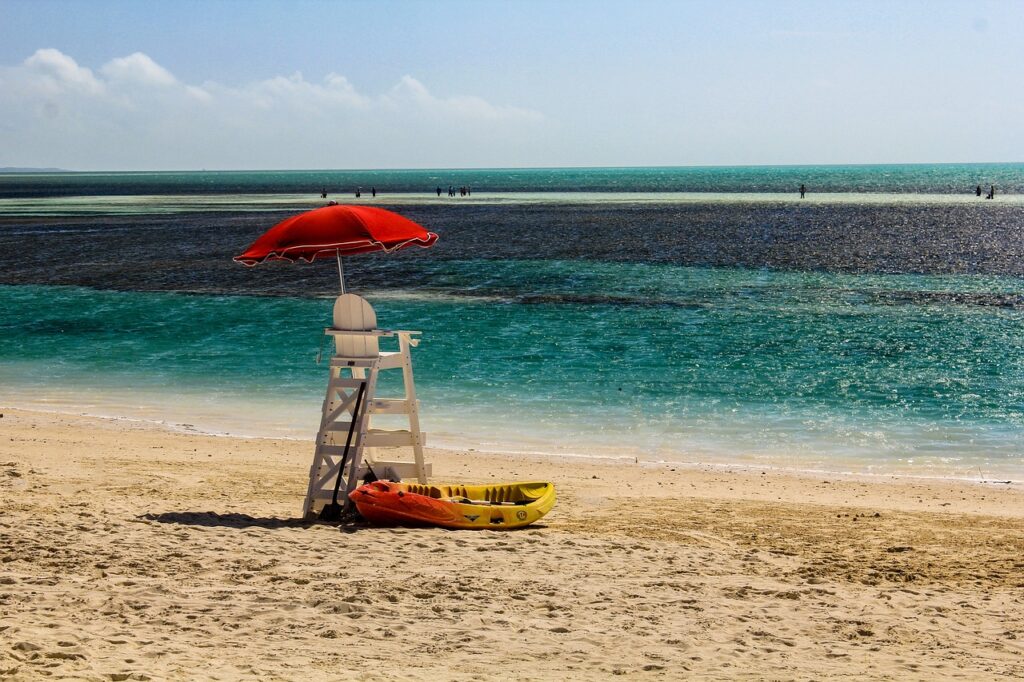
[{"x": 341, "y": 271}]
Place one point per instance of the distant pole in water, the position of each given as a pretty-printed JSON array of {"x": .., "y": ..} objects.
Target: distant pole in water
[{"x": 803, "y": 190}]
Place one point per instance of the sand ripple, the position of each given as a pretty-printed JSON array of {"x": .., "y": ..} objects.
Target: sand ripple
[{"x": 132, "y": 554}]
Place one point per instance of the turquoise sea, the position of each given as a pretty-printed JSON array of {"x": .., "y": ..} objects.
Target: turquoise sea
[{"x": 682, "y": 315}]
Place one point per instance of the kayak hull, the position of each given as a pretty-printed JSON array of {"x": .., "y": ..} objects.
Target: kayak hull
[{"x": 498, "y": 506}]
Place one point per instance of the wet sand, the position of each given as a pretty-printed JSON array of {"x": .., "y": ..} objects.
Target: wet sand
[{"x": 130, "y": 552}]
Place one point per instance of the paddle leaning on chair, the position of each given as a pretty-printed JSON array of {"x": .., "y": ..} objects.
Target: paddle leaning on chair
[
  {"x": 332, "y": 511},
  {"x": 347, "y": 443}
]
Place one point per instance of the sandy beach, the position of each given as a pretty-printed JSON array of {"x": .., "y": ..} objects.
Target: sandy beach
[{"x": 132, "y": 552}]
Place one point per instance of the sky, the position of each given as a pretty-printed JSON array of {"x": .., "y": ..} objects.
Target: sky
[{"x": 105, "y": 85}]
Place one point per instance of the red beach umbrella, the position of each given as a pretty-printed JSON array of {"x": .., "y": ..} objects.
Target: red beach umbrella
[{"x": 333, "y": 232}]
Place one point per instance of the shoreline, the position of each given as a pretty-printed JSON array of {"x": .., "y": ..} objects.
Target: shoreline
[
  {"x": 974, "y": 492},
  {"x": 468, "y": 444}
]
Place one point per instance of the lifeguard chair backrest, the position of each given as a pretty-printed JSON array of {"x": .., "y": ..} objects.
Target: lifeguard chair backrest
[{"x": 354, "y": 313}]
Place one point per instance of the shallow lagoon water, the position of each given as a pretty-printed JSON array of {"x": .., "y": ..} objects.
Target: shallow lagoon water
[
  {"x": 877, "y": 373},
  {"x": 865, "y": 332}
]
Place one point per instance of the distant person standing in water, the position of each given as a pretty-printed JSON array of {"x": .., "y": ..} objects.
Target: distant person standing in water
[
  {"x": 803, "y": 190},
  {"x": 323, "y": 192},
  {"x": 439, "y": 191},
  {"x": 373, "y": 192},
  {"x": 359, "y": 192},
  {"x": 991, "y": 192},
  {"x": 977, "y": 192}
]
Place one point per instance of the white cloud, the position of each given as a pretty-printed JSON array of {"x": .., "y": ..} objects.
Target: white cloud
[
  {"x": 135, "y": 114},
  {"x": 53, "y": 71},
  {"x": 409, "y": 90},
  {"x": 198, "y": 94},
  {"x": 137, "y": 68}
]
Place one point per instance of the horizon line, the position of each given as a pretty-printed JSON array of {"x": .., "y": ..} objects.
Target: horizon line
[{"x": 26, "y": 170}]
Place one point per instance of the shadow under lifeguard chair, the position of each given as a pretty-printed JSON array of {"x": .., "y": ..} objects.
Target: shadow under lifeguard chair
[{"x": 348, "y": 446}]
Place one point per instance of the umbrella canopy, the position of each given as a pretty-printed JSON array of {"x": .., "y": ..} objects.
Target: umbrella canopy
[{"x": 335, "y": 231}]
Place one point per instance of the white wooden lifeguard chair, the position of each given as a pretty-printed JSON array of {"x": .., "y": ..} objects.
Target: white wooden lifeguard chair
[{"x": 351, "y": 404}]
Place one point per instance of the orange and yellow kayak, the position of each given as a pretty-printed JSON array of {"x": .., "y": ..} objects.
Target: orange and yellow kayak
[{"x": 502, "y": 505}]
